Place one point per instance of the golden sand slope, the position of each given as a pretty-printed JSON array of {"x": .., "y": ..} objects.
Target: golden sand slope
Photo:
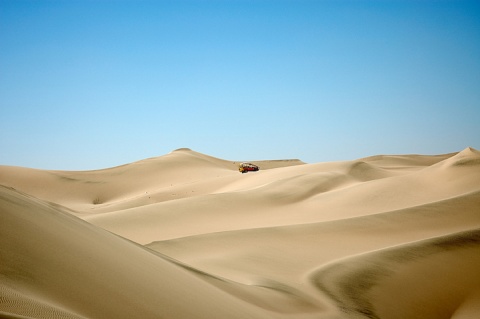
[{"x": 186, "y": 235}]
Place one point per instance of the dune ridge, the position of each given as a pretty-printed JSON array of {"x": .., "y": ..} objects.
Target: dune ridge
[{"x": 185, "y": 235}]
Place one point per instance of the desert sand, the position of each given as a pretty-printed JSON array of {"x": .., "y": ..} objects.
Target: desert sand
[{"x": 185, "y": 235}]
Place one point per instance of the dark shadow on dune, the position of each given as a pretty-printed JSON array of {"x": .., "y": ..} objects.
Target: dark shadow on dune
[{"x": 347, "y": 282}]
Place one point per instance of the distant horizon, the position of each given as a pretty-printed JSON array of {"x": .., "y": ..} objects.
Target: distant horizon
[
  {"x": 241, "y": 159},
  {"x": 97, "y": 84}
]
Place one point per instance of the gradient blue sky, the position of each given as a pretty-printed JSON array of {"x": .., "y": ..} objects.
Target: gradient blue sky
[{"x": 95, "y": 84}]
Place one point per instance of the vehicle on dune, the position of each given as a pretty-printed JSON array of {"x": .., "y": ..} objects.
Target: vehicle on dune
[{"x": 247, "y": 167}]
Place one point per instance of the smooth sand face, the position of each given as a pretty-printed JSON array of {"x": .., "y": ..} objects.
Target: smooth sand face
[{"x": 185, "y": 235}]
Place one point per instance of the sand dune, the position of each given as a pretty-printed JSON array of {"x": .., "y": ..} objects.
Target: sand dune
[{"x": 185, "y": 235}]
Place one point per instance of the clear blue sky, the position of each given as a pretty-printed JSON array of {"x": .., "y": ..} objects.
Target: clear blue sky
[{"x": 95, "y": 84}]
